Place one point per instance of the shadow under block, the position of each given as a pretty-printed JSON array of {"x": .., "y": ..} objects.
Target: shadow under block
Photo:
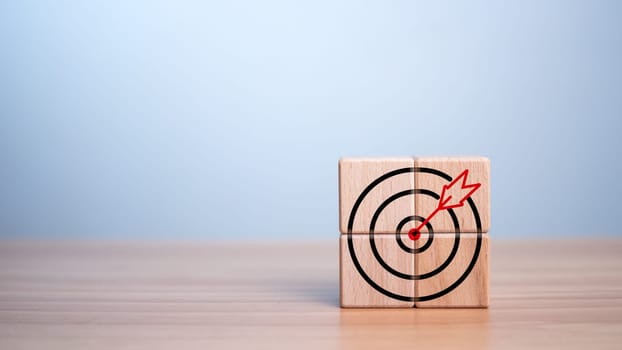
[
  {"x": 472, "y": 291},
  {"x": 479, "y": 172},
  {"x": 356, "y": 174},
  {"x": 355, "y": 291}
]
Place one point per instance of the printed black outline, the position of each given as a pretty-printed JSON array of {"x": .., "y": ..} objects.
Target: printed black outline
[
  {"x": 358, "y": 265},
  {"x": 398, "y": 234},
  {"x": 384, "y": 264}
]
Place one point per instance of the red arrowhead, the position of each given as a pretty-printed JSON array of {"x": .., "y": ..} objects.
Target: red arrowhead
[{"x": 465, "y": 191}]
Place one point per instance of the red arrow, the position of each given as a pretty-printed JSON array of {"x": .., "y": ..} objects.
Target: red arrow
[{"x": 448, "y": 201}]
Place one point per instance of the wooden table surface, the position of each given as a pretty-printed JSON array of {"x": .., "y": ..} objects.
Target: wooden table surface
[{"x": 135, "y": 295}]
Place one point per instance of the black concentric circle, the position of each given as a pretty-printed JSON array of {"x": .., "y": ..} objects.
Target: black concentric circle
[
  {"x": 383, "y": 263},
  {"x": 398, "y": 234},
  {"x": 399, "y": 274}
]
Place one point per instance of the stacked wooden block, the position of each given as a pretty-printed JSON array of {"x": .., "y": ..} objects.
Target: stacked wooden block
[{"x": 414, "y": 232}]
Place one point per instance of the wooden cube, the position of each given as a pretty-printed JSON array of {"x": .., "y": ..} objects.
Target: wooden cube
[
  {"x": 376, "y": 279},
  {"x": 452, "y": 271},
  {"x": 434, "y": 173},
  {"x": 376, "y": 194}
]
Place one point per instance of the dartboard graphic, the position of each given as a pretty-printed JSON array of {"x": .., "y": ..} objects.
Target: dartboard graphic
[{"x": 423, "y": 247}]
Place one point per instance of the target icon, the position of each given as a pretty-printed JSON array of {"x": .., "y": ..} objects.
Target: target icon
[{"x": 437, "y": 259}]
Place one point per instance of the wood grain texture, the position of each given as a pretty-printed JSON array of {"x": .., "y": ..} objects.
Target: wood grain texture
[
  {"x": 355, "y": 174},
  {"x": 479, "y": 172},
  {"x": 544, "y": 294},
  {"x": 355, "y": 291},
  {"x": 473, "y": 291}
]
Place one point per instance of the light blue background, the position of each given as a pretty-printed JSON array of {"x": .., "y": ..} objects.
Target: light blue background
[{"x": 188, "y": 120}]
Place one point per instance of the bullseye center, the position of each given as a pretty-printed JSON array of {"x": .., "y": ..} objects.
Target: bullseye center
[{"x": 414, "y": 234}]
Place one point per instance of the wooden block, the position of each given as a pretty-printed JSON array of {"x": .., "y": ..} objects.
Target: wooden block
[
  {"x": 396, "y": 192},
  {"x": 446, "y": 280},
  {"x": 376, "y": 285},
  {"x": 434, "y": 173}
]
